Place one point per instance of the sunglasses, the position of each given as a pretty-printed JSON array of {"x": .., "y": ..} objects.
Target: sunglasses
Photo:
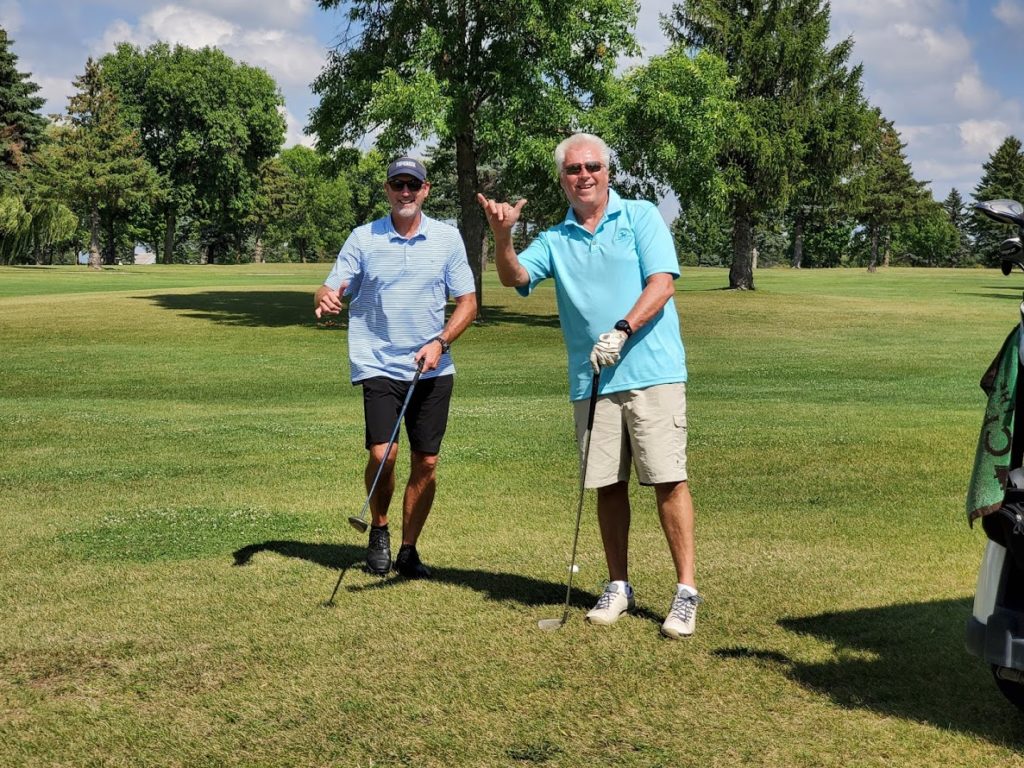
[
  {"x": 574, "y": 169},
  {"x": 412, "y": 186}
]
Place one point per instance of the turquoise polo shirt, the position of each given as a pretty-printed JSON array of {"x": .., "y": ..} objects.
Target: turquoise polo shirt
[
  {"x": 598, "y": 278},
  {"x": 397, "y": 289}
]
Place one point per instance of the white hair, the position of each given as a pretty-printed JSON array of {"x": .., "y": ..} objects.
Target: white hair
[{"x": 581, "y": 138}]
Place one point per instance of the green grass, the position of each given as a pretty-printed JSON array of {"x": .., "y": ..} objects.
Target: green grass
[{"x": 180, "y": 448}]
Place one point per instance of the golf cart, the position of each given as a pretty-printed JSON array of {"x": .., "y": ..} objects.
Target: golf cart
[{"x": 995, "y": 630}]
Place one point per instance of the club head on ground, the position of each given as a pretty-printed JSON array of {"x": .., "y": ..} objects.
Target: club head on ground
[
  {"x": 359, "y": 524},
  {"x": 549, "y": 625}
]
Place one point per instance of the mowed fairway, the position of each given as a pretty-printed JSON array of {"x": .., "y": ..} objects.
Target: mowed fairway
[{"x": 180, "y": 448}]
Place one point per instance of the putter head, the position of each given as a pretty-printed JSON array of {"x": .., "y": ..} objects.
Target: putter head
[
  {"x": 359, "y": 524},
  {"x": 549, "y": 625}
]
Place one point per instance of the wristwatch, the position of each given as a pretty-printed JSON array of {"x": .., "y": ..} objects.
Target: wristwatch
[
  {"x": 625, "y": 327},
  {"x": 445, "y": 346}
]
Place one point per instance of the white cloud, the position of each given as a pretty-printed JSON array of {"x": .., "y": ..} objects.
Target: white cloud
[
  {"x": 1010, "y": 13},
  {"x": 293, "y": 131},
  {"x": 56, "y": 91},
  {"x": 292, "y": 59},
  {"x": 972, "y": 94},
  {"x": 982, "y": 137},
  {"x": 11, "y": 17}
]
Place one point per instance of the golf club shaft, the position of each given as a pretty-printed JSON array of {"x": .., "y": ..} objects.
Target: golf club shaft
[
  {"x": 583, "y": 477},
  {"x": 391, "y": 442}
]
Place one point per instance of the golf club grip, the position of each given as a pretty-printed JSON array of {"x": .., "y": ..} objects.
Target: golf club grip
[{"x": 593, "y": 401}]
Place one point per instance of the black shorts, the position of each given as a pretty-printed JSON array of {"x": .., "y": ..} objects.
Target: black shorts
[{"x": 426, "y": 418}]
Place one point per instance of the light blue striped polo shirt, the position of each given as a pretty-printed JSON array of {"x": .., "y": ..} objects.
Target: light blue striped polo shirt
[
  {"x": 397, "y": 291},
  {"x": 598, "y": 278}
]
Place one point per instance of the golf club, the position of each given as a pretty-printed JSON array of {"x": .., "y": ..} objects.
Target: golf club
[
  {"x": 359, "y": 522},
  {"x": 552, "y": 624}
]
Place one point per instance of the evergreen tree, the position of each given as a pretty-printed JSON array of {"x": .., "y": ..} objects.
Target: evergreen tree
[
  {"x": 956, "y": 211},
  {"x": 884, "y": 189},
  {"x": 1003, "y": 178},
  {"x": 97, "y": 164},
  {"x": 22, "y": 129},
  {"x": 799, "y": 105}
]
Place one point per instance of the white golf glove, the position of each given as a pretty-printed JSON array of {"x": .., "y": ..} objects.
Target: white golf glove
[{"x": 607, "y": 350}]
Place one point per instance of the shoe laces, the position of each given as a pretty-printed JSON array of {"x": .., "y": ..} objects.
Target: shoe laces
[
  {"x": 605, "y": 600},
  {"x": 379, "y": 538},
  {"x": 684, "y": 606}
]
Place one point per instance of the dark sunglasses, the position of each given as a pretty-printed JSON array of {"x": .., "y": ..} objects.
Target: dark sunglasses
[
  {"x": 573, "y": 169},
  {"x": 412, "y": 186}
]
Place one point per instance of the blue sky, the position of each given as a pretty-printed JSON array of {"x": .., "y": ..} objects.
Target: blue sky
[{"x": 947, "y": 72}]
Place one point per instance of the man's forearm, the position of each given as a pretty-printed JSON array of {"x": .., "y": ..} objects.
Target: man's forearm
[
  {"x": 463, "y": 314},
  {"x": 510, "y": 272}
]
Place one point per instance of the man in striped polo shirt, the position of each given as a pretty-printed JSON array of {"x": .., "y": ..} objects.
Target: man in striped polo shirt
[{"x": 398, "y": 273}]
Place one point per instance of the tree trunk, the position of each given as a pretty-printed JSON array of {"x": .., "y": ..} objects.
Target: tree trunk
[
  {"x": 471, "y": 218},
  {"x": 873, "y": 266},
  {"x": 798, "y": 242},
  {"x": 170, "y": 221},
  {"x": 741, "y": 274},
  {"x": 95, "y": 259}
]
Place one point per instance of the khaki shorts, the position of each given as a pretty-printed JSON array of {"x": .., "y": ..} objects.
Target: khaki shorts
[{"x": 645, "y": 427}]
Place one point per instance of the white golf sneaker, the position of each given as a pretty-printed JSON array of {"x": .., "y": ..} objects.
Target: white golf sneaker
[
  {"x": 682, "y": 616},
  {"x": 612, "y": 603}
]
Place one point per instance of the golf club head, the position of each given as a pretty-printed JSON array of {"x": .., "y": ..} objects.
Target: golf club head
[
  {"x": 1004, "y": 211},
  {"x": 359, "y": 524},
  {"x": 549, "y": 625}
]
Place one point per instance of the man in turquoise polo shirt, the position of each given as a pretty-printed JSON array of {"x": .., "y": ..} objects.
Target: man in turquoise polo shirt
[
  {"x": 614, "y": 266},
  {"x": 398, "y": 273}
]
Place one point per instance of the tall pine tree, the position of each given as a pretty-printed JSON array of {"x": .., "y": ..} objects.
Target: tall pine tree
[
  {"x": 956, "y": 210},
  {"x": 22, "y": 128},
  {"x": 798, "y": 105},
  {"x": 1003, "y": 177},
  {"x": 884, "y": 189},
  {"x": 97, "y": 165}
]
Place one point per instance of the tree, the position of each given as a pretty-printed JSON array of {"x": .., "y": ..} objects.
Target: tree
[
  {"x": 22, "y": 129},
  {"x": 498, "y": 83},
  {"x": 884, "y": 188},
  {"x": 956, "y": 211},
  {"x": 928, "y": 239},
  {"x": 1003, "y": 177},
  {"x": 207, "y": 124},
  {"x": 315, "y": 215},
  {"x": 665, "y": 120},
  {"x": 792, "y": 98},
  {"x": 96, "y": 162}
]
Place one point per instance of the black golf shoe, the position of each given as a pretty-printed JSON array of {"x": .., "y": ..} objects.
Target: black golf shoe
[
  {"x": 378, "y": 553},
  {"x": 408, "y": 563}
]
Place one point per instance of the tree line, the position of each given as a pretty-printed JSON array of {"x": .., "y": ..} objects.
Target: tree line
[{"x": 757, "y": 126}]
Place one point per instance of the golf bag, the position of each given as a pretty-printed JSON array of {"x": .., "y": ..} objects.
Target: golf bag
[{"x": 995, "y": 629}]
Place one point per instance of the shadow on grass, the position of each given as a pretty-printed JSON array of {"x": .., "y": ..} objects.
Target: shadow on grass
[
  {"x": 906, "y": 661},
  {"x": 265, "y": 309},
  {"x": 278, "y": 309},
  {"x": 501, "y": 587}
]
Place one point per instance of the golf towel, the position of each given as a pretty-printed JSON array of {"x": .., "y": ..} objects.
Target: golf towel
[{"x": 992, "y": 459}]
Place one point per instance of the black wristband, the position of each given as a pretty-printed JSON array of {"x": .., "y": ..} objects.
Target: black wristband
[
  {"x": 625, "y": 327},
  {"x": 445, "y": 346}
]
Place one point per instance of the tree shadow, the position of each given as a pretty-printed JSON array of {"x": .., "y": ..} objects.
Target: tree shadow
[
  {"x": 278, "y": 309},
  {"x": 504, "y": 316},
  {"x": 496, "y": 586},
  {"x": 264, "y": 309},
  {"x": 906, "y": 661},
  {"x": 1005, "y": 292}
]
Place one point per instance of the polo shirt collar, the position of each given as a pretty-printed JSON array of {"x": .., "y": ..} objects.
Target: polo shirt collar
[
  {"x": 421, "y": 233},
  {"x": 613, "y": 208}
]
